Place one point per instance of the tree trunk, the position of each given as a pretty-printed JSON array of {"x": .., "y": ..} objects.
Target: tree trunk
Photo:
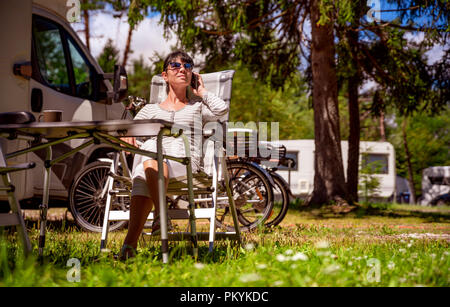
[
  {"x": 86, "y": 27},
  {"x": 127, "y": 47},
  {"x": 354, "y": 118},
  {"x": 382, "y": 128},
  {"x": 408, "y": 161},
  {"x": 329, "y": 179}
]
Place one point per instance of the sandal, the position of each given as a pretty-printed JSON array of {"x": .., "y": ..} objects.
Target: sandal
[
  {"x": 126, "y": 252},
  {"x": 156, "y": 226}
]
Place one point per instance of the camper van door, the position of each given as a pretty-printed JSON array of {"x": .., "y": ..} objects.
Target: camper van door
[
  {"x": 64, "y": 76},
  {"x": 15, "y": 22}
]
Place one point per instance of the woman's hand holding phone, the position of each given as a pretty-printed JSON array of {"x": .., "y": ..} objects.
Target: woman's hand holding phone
[{"x": 199, "y": 89}]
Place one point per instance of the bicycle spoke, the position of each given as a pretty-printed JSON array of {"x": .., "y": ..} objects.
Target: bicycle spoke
[
  {"x": 86, "y": 185},
  {"x": 86, "y": 206}
]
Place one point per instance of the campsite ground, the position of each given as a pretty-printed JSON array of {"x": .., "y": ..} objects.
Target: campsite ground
[{"x": 382, "y": 245}]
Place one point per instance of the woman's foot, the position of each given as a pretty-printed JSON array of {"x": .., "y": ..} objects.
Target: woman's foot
[
  {"x": 156, "y": 226},
  {"x": 126, "y": 252}
]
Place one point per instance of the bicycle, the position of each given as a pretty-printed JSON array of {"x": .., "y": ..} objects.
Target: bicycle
[
  {"x": 281, "y": 190},
  {"x": 253, "y": 194}
]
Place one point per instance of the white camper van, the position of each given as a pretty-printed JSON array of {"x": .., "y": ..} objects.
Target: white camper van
[
  {"x": 435, "y": 182},
  {"x": 301, "y": 176},
  {"x": 45, "y": 66}
]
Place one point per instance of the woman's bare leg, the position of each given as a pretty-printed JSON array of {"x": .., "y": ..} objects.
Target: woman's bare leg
[
  {"x": 151, "y": 173},
  {"x": 139, "y": 210},
  {"x": 141, "y": 206}
]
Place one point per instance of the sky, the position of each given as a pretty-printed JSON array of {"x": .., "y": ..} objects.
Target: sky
[
  {"x": 146, "y": 40},
  {"x": 148, "y": 36}
]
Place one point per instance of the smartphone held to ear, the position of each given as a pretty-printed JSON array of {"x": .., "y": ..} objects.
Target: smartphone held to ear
[{"x": 194, "y": 81}]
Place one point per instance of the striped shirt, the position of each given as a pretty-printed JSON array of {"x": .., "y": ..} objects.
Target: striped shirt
[{"x": 193, "y": 115}]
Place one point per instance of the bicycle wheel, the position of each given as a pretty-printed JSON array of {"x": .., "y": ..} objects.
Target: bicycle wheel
[
  {"x": 253, "y": 197},
  {"x": 281, "y": 201},
  {"x": 87, "y": 205}
]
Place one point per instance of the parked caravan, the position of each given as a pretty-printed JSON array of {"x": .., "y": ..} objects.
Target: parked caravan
[
  {"x": 45, "y": 66},
  {"x": 379, "y": 154},
  {"x": 435, "y": 182}
]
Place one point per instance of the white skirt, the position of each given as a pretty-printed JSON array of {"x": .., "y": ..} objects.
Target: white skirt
[{"x": 176, "y": 169}]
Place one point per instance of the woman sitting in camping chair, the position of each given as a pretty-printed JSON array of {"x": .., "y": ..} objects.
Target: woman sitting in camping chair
[{"x": 182, "y": 108}]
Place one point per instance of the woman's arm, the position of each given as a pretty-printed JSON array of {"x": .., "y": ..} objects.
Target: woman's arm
[
  {"x": 213, "y": 106},
  {"x": 144, "y": 113}
]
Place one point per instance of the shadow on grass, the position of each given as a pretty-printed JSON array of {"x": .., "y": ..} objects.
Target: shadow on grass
[
  {"x": 371, "y": 209},
  {"x": 431, "y": 217}
]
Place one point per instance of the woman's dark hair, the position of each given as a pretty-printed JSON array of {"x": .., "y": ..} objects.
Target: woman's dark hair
[
  {"x": 174, "y": 55},
  {"x": 177, "y": 54}
]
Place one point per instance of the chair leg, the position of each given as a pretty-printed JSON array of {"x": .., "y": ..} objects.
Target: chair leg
[
  {"x": 212, "y": 220},
  {"x": 192, "y": 218},
  {"x": 212, "y": 228},
  {"x": 105, "y": 226},
  {"x": 230, "y": 198},
  {"x": 110, "y": 198},
  {"x": 162, "y": 198},
  {"x": 15, "y": 208},
  {"x": 212, "y": 225},
  {"x": 44, "y": 205},
  {"x": 109, "y": 183}
]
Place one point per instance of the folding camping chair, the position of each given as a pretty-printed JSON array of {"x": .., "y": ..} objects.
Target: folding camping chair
[
  {"x": 205, "y": 183},
  {"x": 14, "y": 218}
]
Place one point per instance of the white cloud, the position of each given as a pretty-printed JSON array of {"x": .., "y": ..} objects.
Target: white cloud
[
  {"x": 434, "y": 54},
  {"x": 147, "y": 37},
  {"x": 368, "y": 86}
]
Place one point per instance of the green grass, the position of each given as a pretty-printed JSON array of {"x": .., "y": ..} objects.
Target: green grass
[{"x": 393, "y": 246}]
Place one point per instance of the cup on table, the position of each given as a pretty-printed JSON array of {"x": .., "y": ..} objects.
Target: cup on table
[{"x": 50, "y": 116}]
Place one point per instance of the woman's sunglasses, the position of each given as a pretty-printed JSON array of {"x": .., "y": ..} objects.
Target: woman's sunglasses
[{"x": 176, "y": 65}]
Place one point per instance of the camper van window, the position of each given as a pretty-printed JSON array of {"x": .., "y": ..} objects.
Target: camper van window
[
  {"x": 50, "y": 55},
  {"x": 81, "y": 71},
  {"x": 293, "y": 155},
  {"x": 377, "y": 163},
  {"x": 439, "y": 180}
]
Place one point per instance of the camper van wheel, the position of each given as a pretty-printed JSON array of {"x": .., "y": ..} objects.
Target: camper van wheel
[{"x": 87, "y": 205}]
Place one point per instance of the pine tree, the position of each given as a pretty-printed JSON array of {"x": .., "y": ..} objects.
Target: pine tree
[{"x": 109, "y": 57}]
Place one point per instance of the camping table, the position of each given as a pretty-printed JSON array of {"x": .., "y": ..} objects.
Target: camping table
[{"x": 43, "y": 135}]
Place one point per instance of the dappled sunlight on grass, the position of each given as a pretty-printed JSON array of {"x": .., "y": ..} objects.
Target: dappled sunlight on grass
[{"x": 394, "y": 249}]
